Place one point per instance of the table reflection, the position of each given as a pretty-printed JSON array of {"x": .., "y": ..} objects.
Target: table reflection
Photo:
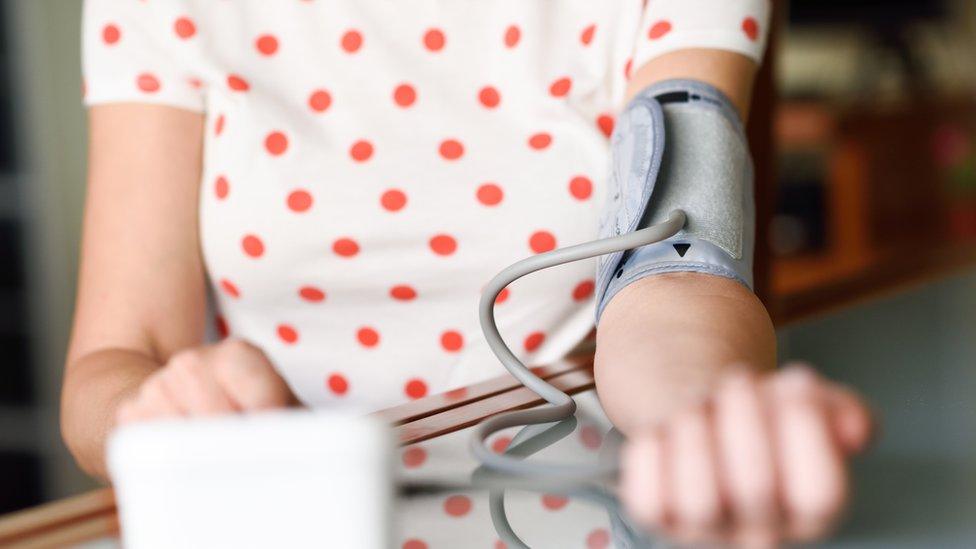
[{"x": 446, "y": 500}]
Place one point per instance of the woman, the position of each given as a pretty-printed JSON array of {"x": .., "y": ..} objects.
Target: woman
[{"x": 345, "y": 176}]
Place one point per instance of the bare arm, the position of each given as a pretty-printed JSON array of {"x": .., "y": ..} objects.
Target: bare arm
[
  {"x": 666, "y": 340},
  {"x": 141, "y": 284},
  {"x": 718, "y": 454},
  {"x": 137, "y": 350}
]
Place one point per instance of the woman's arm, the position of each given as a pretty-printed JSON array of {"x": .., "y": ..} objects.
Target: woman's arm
[
  {"x": 717, "y": 454},
  {"x": 665, "y": 340},
  {"x": 135, "y": 351},
  {"x": 141, "y": 283}
]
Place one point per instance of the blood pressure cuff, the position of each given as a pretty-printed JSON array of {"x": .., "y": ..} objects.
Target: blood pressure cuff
[{"x": 679, "y": 144}]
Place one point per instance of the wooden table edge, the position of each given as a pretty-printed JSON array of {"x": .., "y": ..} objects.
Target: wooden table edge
[{"x": 92, "y": 514}]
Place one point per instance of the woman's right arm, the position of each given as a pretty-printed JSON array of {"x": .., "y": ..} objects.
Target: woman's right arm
[
  {"x": 141, "y": 289},
  {"x": 136, "y": 351}
]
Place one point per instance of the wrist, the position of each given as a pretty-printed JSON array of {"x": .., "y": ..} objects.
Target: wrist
[{"x": 666, "y": 341}]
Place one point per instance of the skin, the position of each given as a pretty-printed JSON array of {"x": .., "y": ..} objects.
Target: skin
[
  {"x": 129, "y": 358},
  {"x": 723, "y": 449}
]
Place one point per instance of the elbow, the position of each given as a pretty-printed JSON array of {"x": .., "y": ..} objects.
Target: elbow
[{"x": 77, "y": 436}]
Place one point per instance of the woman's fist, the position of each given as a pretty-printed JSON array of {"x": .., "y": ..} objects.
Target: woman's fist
[
  {"x": 231, "y": 376},
  {"x": 761, "y": 462}
]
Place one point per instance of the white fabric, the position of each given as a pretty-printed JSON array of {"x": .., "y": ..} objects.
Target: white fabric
[
  {"x": 733, "y": 25},
  {"x": 370, "y": 164}
]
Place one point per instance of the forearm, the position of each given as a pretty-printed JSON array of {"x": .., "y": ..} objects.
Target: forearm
[
  {"x": 666, "y": 340},
  {"x": 141, "y": 286},
  {"x": 94, "y": 386}
]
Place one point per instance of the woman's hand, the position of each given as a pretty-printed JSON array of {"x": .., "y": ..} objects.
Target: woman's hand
[
  {"x": 763, "y": 461},
  {"x": 231, "y": 376}
]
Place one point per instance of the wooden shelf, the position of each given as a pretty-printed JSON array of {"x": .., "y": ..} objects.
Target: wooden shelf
[
  {"x": 806, "y": 287},
  {"x": 898, "y": 199}
]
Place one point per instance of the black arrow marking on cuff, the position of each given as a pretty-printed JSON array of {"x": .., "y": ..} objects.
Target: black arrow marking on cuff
[{"x": 682, "y": 249}]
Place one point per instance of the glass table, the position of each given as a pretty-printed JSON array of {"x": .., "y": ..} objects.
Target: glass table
[{"x": 445, "y": 500}]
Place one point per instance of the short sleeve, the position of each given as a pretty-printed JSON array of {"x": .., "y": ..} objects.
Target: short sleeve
[
  {"x": 135, "y": 51},
  {"x": 739, "y": 26}
]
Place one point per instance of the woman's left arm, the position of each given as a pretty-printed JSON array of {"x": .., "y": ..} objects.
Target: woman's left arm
[
  {"x": 666, "y": 340},
  {"x": 721, "y": 449}
]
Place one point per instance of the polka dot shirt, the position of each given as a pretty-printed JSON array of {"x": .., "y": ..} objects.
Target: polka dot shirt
[{"x": 370, "y": 165}]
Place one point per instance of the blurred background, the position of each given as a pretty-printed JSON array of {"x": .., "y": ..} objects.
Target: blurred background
[{"x": 864, "y": 133}]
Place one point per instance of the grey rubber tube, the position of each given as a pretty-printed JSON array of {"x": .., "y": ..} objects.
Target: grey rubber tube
[{"x": 560, "y": 405}]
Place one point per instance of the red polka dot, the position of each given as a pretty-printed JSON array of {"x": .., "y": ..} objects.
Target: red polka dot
[
  {"x": 560, "y": 87},
  {"x": 587, "y": 35},
  {"x": 361, "y": 150},
  {"x": 368, "y": 337},
  {"x": 237, "y": 83},
  {"x": 434, "y": 40},
  {"x": 413, "y": 544},
  {"x": 457, "y": 394},
  {"x": 500, "y": 444},
  {"x": 627, "y": 67},
  {"x": 393, "y": 200},
  {"x": 299, "y": 201},
  {"x": 287, "y": 333},
  {"x": 583, "y": 290},
  {"x": 540, "y": 141},
  {"x": 319, "y": 100},
  {"x": 443, "y": 244},
  {"x": 229, "y": 288},
  {"x": 345, "y": 247},
  {"x": 403, "y": 292},
  {"x": 352, "y": 40},
  {"x": 457, "y": 505},
  {"x": 512, "y": 36},
  {"x": 413, "y": 457},
  {"x": 598, "y": 539},
  {"x": 253, "y": 246},
  {"x": 590, "y": 437},
  {"x": 311, "y": 293},
  {"x": 502, "y": 296},
  {"x": 451, "y": 149},
  {"x": 554, "y": 502},
  {"x": 659, "y": 29},
  {"x": 111, "y": 34},
  {"x": 415, "y": 388},
  {"x": 489, "y": 194},
  {"x": 219, "y": 124},
  {"x": 221, "y": 187},
  {"x": 542, "y": 241},
  {"x": 751, "y": 27},
  {"x": 499, "y": 544},
  {"x": 489, "y": 97},
  {"x": 580, "y": 187},
  {"x": 605, "y": 123},
  {"x": 148, "y": 83},
  {"x": 452, "y": 341},
  {"x": 184, "y": 28},
  {"x": 404, "y": 95},
  {"x": 276, "y": 143},
  {"x": 338, "y": 384},
  {"x": 222, "y": 329},
  {"x": 534, "y": 341},
  {"x": 194, "y": 82},
  {"x": 266, "y": 44}
]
